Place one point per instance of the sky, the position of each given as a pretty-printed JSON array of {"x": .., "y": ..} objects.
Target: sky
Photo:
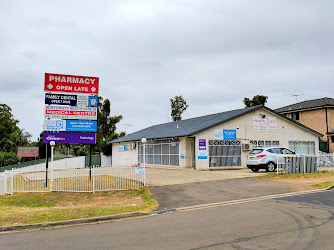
[{"x": 212, "y": 52}]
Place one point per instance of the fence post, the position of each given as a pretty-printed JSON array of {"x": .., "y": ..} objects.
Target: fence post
[
  {"x": 277, "y": 164},
  {"x": 304, "y": 163},
  {"x": 93, "y": 178},
  {"x": 12, "y": 184}
]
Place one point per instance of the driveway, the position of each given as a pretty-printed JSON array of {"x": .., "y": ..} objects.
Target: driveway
[
  {"x": 190, "y": 194},
  {"x": 162, "y": 177}
]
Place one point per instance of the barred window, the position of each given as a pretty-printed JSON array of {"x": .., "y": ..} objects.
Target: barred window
[
  {"x": 159, "y": 152},
  {"x": 302, "y": 147},
  {"x": 224, "y": 153}
]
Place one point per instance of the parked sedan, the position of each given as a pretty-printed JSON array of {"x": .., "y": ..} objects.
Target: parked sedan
[{"x": 266, "y": 158}]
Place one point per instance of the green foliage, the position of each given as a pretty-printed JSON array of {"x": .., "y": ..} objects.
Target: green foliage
[
  {"x": 106, "y": 146},
  {"x": 11, "y": 136},
  {"x": 178, "y": 106},
  {"x": 8, "y": 158},
  {"x": 257, "y": 100}
]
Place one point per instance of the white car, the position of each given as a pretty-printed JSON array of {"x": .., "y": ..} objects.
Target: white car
[{"x": 266, "y": 158}]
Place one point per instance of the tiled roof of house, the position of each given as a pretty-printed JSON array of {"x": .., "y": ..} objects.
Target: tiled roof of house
[
  {"x": 190, "y": 127},
  {"x": 315, "y": 103}
]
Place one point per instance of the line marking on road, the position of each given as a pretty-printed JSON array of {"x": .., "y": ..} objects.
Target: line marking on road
[{"x": 234, "y": 202}]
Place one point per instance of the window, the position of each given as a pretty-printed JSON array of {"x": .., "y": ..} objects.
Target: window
[
  {"x": 224, "y": 153},
  {"x": 159, "y": 152},
  {"x": 302, "y": 147},
  {"x": 295, "y": 116},
  {"x": 287, "y": 151}
]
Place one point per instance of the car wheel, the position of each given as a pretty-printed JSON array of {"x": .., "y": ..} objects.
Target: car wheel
[
  {"x": 254, "y": 169},
  {"x": 271, "y": 167}
]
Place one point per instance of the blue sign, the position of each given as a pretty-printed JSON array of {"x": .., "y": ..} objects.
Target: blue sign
[
  {"x": 92, "y": 101},
  {"x": 60, "y": 99},
  {"x": 82, "y": 126},
  {"x": 230, "y": 134}
]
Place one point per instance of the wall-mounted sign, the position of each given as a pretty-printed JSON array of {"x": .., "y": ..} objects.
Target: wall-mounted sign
[
  {"x": 72, "y": 100},
  {"x": 202, "y": 155},
  {"x": 69, "y": 138},
  {"x": 71, "y": 83},
  {"x": 202, "y": 144},
  {"x": 219, "y": 134},
  {"x": 70, "y": 112},
  {"x": 70, "y": 125},
  {"x": 122, "y": 148},
  {"x": 230, "y": 134},
  {"x": 27, "y": 152},
  {"x": 264, "y": 124}
]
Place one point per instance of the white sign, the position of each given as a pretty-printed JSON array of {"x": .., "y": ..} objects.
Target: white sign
[
  {"x": 219, "y": 134},
  {"x": 264, "y": 124},
  {"x": 64, "y": 112},
  {"x": 54, "y": 125},
  {"x": 140, "y": 170}
]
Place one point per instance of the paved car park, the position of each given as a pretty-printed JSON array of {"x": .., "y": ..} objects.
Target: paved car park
[{"x": 162, "y": 177}]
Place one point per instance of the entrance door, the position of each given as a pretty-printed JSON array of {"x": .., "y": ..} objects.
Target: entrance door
[{"x": 190, "y": 154}]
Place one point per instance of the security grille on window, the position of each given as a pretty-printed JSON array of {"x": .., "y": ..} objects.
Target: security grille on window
[
  {"x": 302, "y": 147},
  {"x": 261, "y": 143},
  {"x": 224, "y": 153},
  {"x": 159, "y": 152}
]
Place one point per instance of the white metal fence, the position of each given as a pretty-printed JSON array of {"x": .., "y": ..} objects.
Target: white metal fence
[
  {"x": 304, "y": 163},
  {"x": 72, "y": 180}
]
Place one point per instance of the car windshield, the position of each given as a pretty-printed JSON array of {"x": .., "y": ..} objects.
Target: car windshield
[{"x": 256, "y": 151}]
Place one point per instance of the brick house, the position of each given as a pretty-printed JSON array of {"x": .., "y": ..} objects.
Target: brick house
[{"x": 317, "y": 114}]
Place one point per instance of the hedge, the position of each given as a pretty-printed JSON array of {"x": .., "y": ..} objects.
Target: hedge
[{"x": 8, "y": 158}]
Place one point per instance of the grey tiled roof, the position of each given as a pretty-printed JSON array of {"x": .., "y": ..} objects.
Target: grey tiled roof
[
  {"x": 307, "y": 104},
  {"x": 195, "y": 125}
]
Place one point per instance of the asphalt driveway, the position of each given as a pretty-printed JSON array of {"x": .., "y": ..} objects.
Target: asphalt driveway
[{"x": 190, "y": 194}]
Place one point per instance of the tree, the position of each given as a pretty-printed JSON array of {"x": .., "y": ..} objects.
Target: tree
[
  {"x": 178, "y": 106},
  {"x": 106, "y": 124},
  {"x": 257, "y": 100},
  {"x": 11, "y": 136}
]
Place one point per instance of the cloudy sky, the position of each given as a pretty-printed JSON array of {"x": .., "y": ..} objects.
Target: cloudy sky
[{"x": 212, "y": 52}]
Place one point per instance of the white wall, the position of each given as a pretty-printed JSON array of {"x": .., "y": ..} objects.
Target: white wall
[
  {"x": 285, "y": 131},
  {"x": 121, "y": 158},
  {"x": 68, "y": 163}
]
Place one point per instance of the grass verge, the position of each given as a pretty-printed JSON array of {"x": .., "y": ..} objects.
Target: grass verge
[
  {"x": 29, "y": 208},
  {"x": 274, "y": 176}
]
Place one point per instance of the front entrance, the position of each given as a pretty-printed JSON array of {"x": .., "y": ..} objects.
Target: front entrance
[{"x": 224, "y": 153}]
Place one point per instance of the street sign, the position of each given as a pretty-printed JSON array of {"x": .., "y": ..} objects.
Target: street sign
[
  {"x": 69, "y": 138},
  {"x": 70, "y": 125},
  {"x": 72, "y": 100},
  {"x": 27, "y": 152},
  {"x": 71, "y": 83},
  {"x": 70, "y": 112}
]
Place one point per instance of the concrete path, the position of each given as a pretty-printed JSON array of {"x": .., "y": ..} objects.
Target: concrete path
[{"x": 162, "y": 177}]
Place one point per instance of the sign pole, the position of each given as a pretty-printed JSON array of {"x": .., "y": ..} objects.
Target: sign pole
[
  {"x": 46, "y": 165},
  {"x": 90, "y": 161}
]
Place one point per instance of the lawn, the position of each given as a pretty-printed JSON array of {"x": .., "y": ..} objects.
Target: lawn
[
  {"x": 322, "y": 179},
  {"x": 28, "y": 208}
]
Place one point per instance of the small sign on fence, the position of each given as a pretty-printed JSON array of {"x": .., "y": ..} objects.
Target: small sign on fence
[{"x": 27, "y": 152}]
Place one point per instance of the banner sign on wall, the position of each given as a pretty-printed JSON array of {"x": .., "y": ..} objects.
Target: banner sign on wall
[
  {"x": 70, "y": 112},
  {"x": 27, "y": 152},
  {"x": 122, "y": 148},
  {"x": 69, "y": 138},
  {"x": 264, "y": 124},
  {"x": 72, "y": 100},
  {"x": 71, "y": 83},
  {"x": 219, "y": 134},
  {"x": 70, "y": 125},
  {"x": 230, "y": 134},
  {"x": 202, "y": 155},
  {"x": 202, "y": 144}
]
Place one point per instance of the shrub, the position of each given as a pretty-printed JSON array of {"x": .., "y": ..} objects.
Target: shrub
[{"x": 8, "y": 158}]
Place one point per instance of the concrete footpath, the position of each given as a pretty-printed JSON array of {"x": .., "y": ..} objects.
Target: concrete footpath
[{"x": 163, "y": 177}]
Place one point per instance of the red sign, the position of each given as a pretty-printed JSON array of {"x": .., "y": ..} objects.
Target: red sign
[
  {"x": 69, "y": 112},
  {"x": 73, "y": 84},
  {"x": 27, "y": 152}
]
